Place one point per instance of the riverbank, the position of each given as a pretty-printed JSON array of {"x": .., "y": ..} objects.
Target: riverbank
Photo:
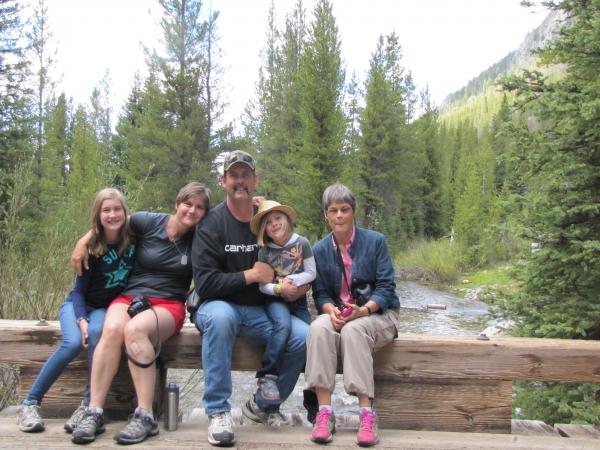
[{"x": 438, "y": 264}]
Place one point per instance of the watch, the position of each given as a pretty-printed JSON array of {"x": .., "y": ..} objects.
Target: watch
[{"x": 368, "y": 310}]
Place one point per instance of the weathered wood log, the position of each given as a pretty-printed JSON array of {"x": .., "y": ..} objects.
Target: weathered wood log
[
  {"x": 453, "y": 383},
  {"x": 572, "y": 430},
  {"x": 531, "y": 428},
  {"x": 445, "y": 405},
  {"x": 411, "y": 356}
]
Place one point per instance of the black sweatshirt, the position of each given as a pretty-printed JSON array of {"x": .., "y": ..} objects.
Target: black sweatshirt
[{"x": 222, "y": 250}]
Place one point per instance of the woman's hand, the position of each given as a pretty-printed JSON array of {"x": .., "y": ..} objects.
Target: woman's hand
[
  {"x": 83, "y": 327},
  {"x": 357, "y": 311},
  {"x": 80, "y": 255},
  {"x": 335, "y": 315}
]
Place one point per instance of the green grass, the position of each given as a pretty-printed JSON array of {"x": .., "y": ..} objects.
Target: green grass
[
  {"x": 435, "y": 262},
  {"x": 495, "y": 278}
]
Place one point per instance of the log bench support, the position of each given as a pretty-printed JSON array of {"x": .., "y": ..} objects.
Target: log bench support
[{"x": 438, "y": 383}]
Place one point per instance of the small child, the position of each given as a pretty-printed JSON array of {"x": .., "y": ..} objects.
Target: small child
[
  {"x": 292, "y": 260},
  {"x": 82, "y": 314}
]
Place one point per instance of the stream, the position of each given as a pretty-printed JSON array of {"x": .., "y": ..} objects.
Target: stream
[{"x": 423, "y": 310}]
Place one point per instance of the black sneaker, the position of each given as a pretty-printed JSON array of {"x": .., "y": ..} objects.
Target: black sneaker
[
  {"x": 271, "y": 419},
  {"x": 88, "y": 427},
  {"x": 140, "y": 427}
]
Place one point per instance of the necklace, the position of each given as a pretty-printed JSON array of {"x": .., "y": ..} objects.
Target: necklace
[{"x": 184, "y": 257}]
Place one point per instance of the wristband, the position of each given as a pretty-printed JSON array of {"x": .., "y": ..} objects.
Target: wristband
[{"x": 277, "y": 289}]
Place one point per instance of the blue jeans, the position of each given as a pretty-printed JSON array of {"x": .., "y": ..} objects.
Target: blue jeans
[
  {"x": 220, "y": 322},
  {"x": 69, "y": 349},
  {"x": 278, "y": 313}
]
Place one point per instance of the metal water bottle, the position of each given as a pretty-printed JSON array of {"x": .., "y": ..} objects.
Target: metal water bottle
[{"x": 172, "y": 413}]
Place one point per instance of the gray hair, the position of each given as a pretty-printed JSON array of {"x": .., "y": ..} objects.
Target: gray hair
[{"x": 338, "y": 193}]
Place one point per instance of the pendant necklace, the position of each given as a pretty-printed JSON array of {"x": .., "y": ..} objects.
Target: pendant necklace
[{"x": 184, "y": 257}]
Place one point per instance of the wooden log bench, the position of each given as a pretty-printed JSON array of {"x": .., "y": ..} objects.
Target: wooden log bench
[{"x": 423, "y": 382}]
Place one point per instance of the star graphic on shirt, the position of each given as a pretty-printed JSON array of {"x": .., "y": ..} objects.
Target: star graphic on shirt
[{"x": 118, "y": 277}]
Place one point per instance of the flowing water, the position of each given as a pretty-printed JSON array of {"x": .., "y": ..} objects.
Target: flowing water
[{"x": 424, "y": 310}]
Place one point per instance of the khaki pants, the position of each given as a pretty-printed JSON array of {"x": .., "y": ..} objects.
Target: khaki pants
[{"x": 352, "y": 348}]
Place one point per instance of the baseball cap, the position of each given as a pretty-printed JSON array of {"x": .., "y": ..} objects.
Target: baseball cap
[{"x": 238, "y": 156}]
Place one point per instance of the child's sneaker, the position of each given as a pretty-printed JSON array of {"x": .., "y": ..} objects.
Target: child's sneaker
[
  {"x": 28, "y": 417},
  {"x": 268, "y": 390},
  {"x": 324, "y": 427},
  {"x": 367, "y": 432}
]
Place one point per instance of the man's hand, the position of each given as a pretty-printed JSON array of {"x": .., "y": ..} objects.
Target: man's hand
[
  {"x": 83, "y": 327},
  {"x": 290, "y": 292},
  {"x": 260, "y": 273}
]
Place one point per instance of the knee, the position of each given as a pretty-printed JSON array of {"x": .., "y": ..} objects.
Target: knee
[
  {"x": 351, "y": 331},
  {"x": 113, "y": 332},
  {"x": 297, "y": 338},
  {"x": 217, "y": 323}
]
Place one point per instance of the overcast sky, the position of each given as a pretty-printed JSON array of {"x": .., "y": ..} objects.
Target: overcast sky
[{"x": 445, "y": 42}]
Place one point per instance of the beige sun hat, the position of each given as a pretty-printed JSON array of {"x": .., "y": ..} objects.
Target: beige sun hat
[{"x": 267, "y": 206}]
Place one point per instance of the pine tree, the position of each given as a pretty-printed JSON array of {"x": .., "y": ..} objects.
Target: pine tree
[
  {"x": 317, "y": 162},
  {"x": 16, "y": 124}
]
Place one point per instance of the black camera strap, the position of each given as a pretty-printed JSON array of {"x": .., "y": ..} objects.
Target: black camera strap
[
  {"x": 157, "y": 347},
  {"x": 341, "y": 264}
]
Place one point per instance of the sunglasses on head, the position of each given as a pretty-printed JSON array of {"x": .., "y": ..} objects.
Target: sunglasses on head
[{"x": 240, "y": 158}]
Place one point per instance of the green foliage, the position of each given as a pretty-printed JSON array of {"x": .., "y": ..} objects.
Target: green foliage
[
  {"x": 557, "y": 402},
  {"x": 437, "y": 262}
]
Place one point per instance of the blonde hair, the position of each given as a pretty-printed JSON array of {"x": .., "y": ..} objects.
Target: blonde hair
[
  {"x": 263, "y": 238},
  {"x": 194, "y": 188},
  {"x": 98, "y": 245}
]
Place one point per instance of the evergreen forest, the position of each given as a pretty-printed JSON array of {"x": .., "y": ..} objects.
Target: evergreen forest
[{"x": 507, "y": 173}]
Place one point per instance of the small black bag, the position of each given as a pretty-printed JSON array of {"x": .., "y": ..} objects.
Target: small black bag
[
  {"x": 192, "y": 301},
  {"x": 361, "y": 291}
]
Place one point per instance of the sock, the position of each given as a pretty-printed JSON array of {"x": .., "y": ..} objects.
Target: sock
[
  {"x": 366, "y": 408},
  {"x": 144, "y": 413},
  {"x": 95, "y": 410},
  {"x": 325, "y": 407}
]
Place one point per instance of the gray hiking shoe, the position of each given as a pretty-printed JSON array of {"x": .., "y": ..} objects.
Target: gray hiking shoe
[
  {"x": 271, "y": 419},
  {"x": 75, "y": 418},
  {"x": 28, "y": 417},
  {"x": 268, "y": 390},
  {"x": 140, "y": 427},
  {"x": 220, "y": 429},
  {"x": 88, "y": 427}
]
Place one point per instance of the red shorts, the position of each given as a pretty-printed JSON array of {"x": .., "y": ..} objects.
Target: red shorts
[{"x": 175, "y": 308}]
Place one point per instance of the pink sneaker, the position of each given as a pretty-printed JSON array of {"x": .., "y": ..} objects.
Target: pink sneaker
[
  {"x": 324, "y": 427},
  {"x": 367, "y": 432}
]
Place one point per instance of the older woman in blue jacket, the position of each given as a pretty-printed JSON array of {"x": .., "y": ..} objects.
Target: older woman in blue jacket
[{"x": 351, "y": 326}]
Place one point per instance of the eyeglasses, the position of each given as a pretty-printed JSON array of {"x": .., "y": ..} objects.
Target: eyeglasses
[{"x": 343, "y": 210}]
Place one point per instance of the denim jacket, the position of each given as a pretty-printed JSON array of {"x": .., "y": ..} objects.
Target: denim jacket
[{"x": 370, "y": 262}]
